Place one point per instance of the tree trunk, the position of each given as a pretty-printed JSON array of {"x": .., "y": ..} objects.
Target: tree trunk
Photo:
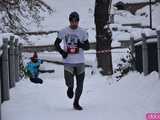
[{"x": 103, "y": 36}]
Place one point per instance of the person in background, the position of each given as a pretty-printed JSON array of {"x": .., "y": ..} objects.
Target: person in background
[
  {"x": 32, "y": 69},
  {"x": 75, "y": 41}
]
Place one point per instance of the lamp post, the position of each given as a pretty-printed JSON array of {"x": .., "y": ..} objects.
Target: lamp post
[{"x": 150, "y": 10}]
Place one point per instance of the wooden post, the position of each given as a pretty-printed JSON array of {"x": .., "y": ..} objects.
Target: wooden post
[
  {"x": 12, "y": 62},
  {"x": 5, "y": 71},
  {"x": 20, "y": 60},
  {"x": 132, "y": 47},
  {"x": 20, "y": 50},
  {"x": 111, "y": 18},
  {"x": 16, "y": 61},
  {"x": 150, "y": 13},
  {"x": 145, "y": 54},
  {"x": 158, "y": 48}
]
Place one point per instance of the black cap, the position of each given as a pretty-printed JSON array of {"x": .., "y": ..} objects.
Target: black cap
[{"x": 74, "y": 16}]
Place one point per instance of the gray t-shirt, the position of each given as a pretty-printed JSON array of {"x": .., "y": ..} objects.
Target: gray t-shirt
[{"x": 70, "y": 39}]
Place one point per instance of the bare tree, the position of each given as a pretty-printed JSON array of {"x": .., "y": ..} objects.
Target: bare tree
[
  {"x": 14, "y": 12},
  {"x": 103, "y": 36}
]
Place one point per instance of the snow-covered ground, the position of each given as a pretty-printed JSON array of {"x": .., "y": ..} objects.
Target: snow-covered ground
[{"x": 103, "y": 97}]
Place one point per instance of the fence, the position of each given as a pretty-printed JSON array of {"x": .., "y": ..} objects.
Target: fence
[
  {"x": 147, "y": 52},
  {"x": 10, "y": 57}
]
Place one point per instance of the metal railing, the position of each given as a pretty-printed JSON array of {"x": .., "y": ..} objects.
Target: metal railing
[
  {"x": 144, "y": 40},
  {"x": 10, "y": 57}
]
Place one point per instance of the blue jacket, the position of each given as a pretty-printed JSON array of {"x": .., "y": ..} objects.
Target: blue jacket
[{"x": 33, "y": 68}]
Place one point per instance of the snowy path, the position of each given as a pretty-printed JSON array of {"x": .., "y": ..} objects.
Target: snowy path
[{"x": 129, "y": 99}]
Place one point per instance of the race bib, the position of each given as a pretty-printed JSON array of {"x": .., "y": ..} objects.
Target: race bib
[{"x": 72, "y": 49}]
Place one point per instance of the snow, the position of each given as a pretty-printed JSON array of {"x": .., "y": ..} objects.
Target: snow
[
  {"x": 59, "y": 19},
  {"x": 155, "y": 15},
  {"x": 154, "y": 40},
  {"x": 103, "y": 97},
  {"x": 7, "y": 35},
  {"x": 142, "y": 16},
  {"x": 120, "y": 35},
  {"x": 149, "y": 32},
  {"x": 125, "y": 17},
  {"x": 158, "y": 28},
  {"x": 115, "y": 44},
  {"x": 42, "y": 39}
]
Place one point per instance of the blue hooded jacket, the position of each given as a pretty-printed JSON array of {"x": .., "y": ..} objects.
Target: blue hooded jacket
[{"x": 33, "y": 68}]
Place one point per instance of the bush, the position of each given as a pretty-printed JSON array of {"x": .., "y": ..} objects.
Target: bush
[{"x": 126, "y": 65}]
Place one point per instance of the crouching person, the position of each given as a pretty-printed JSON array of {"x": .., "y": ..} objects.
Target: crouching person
[{"x": 32, "y": 69}]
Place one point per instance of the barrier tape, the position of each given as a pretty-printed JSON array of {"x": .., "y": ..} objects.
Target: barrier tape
[{"x": 103, "y": 51}]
